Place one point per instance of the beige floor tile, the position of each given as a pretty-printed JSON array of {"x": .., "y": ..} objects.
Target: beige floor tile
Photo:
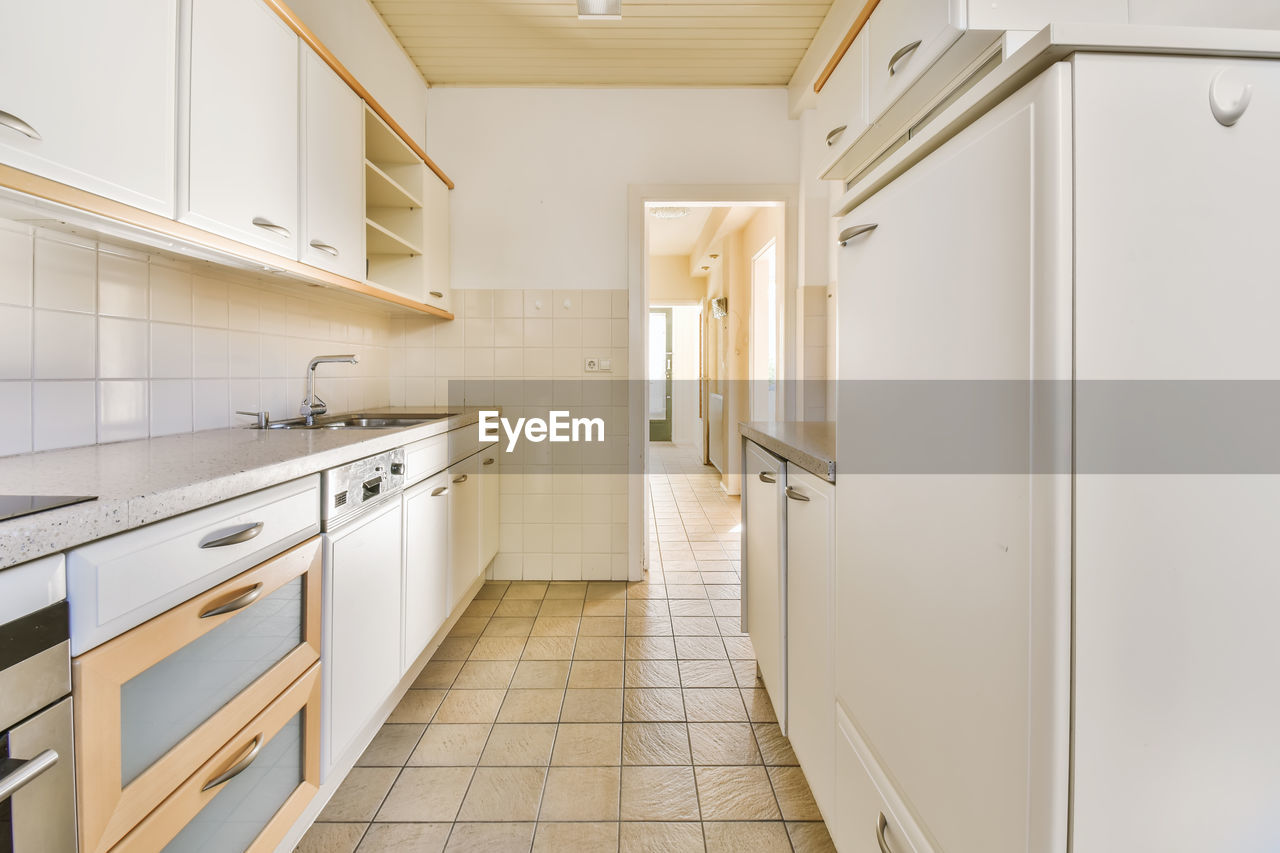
[
  {"x": 498, "y": 648},
  {"x": 647, "y": 590},
  {"x": 810, "y": 837},
  {"x": 606, "y": 589},
  {"x": 575, "y": 838},
  {"x": 774, "y": 746},
  {"x": 693, "y": 591},
  {"x": 519, "y": 745},
  {"x": 655, "y": 743},
  {"x": 490, "y": 838},
  {"x": 651, "y": 673},
  {"x": 526, "y": 589},
  {"x": 563, "y": 607},
  {"x": 714, "y": 704},
  {"x": 758, "y": 837},
  {"x": 740, "y": 648},
  {"x": 426, "y": 794},
  {"x": 659, "y": 793},
  {"x": 508, "y": 626},
  {"x": 541, "y": 673},
  {"x": 695, "y": 626},
  {"x": 595, "y": 674},
  {"x": 648, "y": 626},
  {"x": 438, "y": 674},
  {"x": 602, "y": 705},
  {"x": 518, "y": 607},
  {"x": 587, "y": 745},
  {"x": 405, "y": 837},
  {"x": 480, "y": 608},
  {"x": 692, "y": 607},
  {"x": 492, "y": 589},
  {"x": 745, "y": 672},
  {"x": 602, "y": 626},
  {"x": 604, "y": 607},
  {"x": 736, "y": 793},
  {"x": 470, "y": 706},
  {"x": 445, "y": 745},
  {"x": 555, "y": 626},
  {"x": 653, "y": 704},
  {"x": 706, "y": 673},
  {"x": 650, "y": 648},
  {"x": 726, "y": 607},
  {"x": 485, "y": 675},
  {"x": 723, "y": 743},
  {"x": 533, "y": 705},
  {"x": 503, "y": 794},
  {"x": 470, "y": 626},
  {"x": 392, "y": 745},
  {"x": 331, "y": 838},
  {"x": 759, "y": 708},
  {"x": 360, "y": 794},
  {"x": 730, "y": 626},
  {"x": 417, "y": 706},
  {"x": 647, "y": 607},
  {"x": 548, "y": 648},
  {"x": 581, "y": 793},
  {"x": 793, "y": 794},
  {"x": 660, "y": 838},
  {"x": 455, "y": 648},
  {"x": 567, "y": 589},
  {"x": 699, "y": 648},
  {"x": 598, "y": 648}
]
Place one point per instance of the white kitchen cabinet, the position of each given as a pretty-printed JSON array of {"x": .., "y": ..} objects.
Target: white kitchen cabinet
[
  {"x": 332, "y": 233},
  {"x": 810, "y": 522},
  {"x": 841, "y": 114},
  {"x": 952, "y": 585},
  {"x": 464, "y": 527},
  {"x": 87, "y": 96},
  {"x": 426, "y": 563},
  {"x": 905, "y": 37},
  {"x": 240, "y": 138},
  {"x": 764, "y": 586},
  {"x": 362, "y": 614},
  {"x": 436, "y": 244},
  {"x": 490, "y": 487},
  {"x": 864, "y": 822}
]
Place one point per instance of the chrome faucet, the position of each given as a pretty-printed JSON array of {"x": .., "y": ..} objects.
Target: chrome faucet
[{"x": 313, "y": 405}]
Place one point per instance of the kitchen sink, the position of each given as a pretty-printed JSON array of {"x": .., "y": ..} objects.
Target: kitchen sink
[{"x": 360, "y": 421}]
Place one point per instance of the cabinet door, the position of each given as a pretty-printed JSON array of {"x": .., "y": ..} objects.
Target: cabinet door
[
  {"x": 332, "y": 235},
  {"x": 87, "y": 95},
  {"x": 241, "y": 139},
  {"x": 810, "y": 696},
  {"x": 464, "y": 527},
  {"x": 953, "y": 578},
  {"x": 436, "y": 242},
  {"x": 764, "y": 588},
  {"x": 426, "y": 563},
  {"x": 490, "y": 498},
  {"x": 841, "y": 114},
  {"x": 361, "y": 652},
  {"x": 905, "y": 37}
]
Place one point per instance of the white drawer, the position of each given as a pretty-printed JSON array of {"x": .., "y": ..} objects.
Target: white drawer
[
  {"x": 120, "y": 582},
  {"x": 426, "y": 457},
  {"x": 931, "y": 25},
  {"x": 32, "y": 586},
  {"x": 860, "y": 807},
  {"x": 465, "y": 442}
]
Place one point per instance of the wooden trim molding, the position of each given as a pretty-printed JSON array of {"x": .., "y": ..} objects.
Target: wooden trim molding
[
  {"x": 295, "y": 23},
  {"x": 845, "y": 43},
  {"x": 78, "y": 199}
]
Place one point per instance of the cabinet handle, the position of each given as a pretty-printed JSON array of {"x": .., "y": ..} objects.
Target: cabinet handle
[
  {"x": 899, "y": 53},
  {"x": 322, "y": 246},
  {"x": 835, "y": 134},
  {"x": 765, "y": 478},
  {"x": 267, "y": 224},
  {"x": 488, "y": 461},
  {"x": 240, "y": 602},
  {"x": 439, "y": 490},
  {"x": 462, "y": 478},
  {"x": 853, "y": 231},
  {"x": 12, "y": 122},
  {"x": 437, "y": 294},
  {"x": 796, "y": 495},
  {"x": 26, "y": 772},
  {"x": 881, "y": 826},
  {"x": 235, "y": 769},
  {"x": 235, "y": 537}
]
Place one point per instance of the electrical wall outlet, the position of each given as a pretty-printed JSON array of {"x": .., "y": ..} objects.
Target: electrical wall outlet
[{"x": 592, "y": 365}]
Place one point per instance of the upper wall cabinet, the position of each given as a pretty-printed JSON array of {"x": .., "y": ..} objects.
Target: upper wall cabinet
[
  {"x": 241, "y": 137},
  {"x": 904, "y": 39},
  {"x": 332, "y": 234},
  {"x": 87, "y": 95}
]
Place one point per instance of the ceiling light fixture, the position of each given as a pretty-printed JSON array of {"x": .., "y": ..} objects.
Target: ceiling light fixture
[
  {"x": 668, "y": 212},
  {"x": 599, "y": 10}
]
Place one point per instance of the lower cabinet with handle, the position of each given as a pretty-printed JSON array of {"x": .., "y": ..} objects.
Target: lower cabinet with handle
[
  {"x": 426, "y": 563},
  {"x": 464, "y": 527}
]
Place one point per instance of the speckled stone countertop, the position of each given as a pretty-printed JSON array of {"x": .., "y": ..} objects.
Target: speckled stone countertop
[
  {"x": 138, "y": 482},
  {"x": 809, "y": 444}
]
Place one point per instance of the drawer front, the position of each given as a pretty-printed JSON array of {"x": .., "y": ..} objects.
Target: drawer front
[
  {"x": 464, "y": 442},
  {"x": 862, "y": 820},
  {"x": 153, "y": 704},
  {"x": 248, "y": 795},
  {"x": 426, "y": 457},
  {"x": 123, "y": 581},
  {"x": 904, "y": 39}
]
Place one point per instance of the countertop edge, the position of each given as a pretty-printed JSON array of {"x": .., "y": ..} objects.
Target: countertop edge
[{"x": 803, "y": 451}]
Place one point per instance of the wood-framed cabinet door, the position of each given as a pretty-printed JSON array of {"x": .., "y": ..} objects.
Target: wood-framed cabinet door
[{"x": 155, "y": 703}]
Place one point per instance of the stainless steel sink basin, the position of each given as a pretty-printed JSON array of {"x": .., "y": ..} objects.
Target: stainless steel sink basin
[{"x": 361, "y": 421}]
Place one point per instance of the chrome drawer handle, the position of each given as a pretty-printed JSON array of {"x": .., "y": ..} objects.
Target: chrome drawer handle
[
  {"x": 12, "y": 122},
  {"x": 439, "y": 490},
  {"x": 460, "y": 479},
  {"x": 765, "y": 478},
  {"x": 322, "y": 246},
  {"x": 263, "y": 222},
  {"x": 235, "y": 537},
  {"x": 488, "y": 461},
  {"x": 849, "y": 233},
  {"x": 796, "y": 495},
  {"x": 240, "y": 602},
  {"x": 437, "y": 294},
  {"x": 26, "y": 773},
  {"x": 235, "y": 769},
  {"x": 835, "y": 134},
  {"x": 901, "y": 52},
  {"x": 881, "y": 826}
]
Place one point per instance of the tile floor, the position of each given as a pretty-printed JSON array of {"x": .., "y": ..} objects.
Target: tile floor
[{"x": 591, "y": 716}]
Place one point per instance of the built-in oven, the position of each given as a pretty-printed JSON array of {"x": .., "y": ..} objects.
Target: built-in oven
[{"x": 37, "y": 778}]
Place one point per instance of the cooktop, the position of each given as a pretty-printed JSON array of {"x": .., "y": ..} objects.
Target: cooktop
[{"x": 13, "y": 506}]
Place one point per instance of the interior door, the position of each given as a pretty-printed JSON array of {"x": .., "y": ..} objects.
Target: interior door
[{"x": 659, "y": 374}]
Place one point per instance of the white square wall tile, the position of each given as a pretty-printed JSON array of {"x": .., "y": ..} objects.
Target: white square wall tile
[
  {"x": 123, "y": 288},
  {"x": 508, "y": 567},
  {"x": 243, "y": 355},
  {"x": 65, "y": 276},
  {"x": 17, "y": 250},
  {"x": 15, "y": 402},
  {"x": 537, "y": 303},
  {"x": 64, "y": 414},
  {"x": 64, "y": 345},
  {"x": 122, "y": 348},
  {"x": 170, "y": 351},
  {"x": 122, "y": 410},
  {"x": 597, "y": 304},
  {"x": 508, "y": 303},
  {"x": 243, "y": 396},
  {"x": 170, "y": 294},
  {"x": 209, "y": 302},
  {"x": 620, "y": 303},
  {"x": 15, "y": 341},
  {"x": 210, "y": 408},
  {"x": 537, "y": 567},
  {"x": 170, "y": 406},
  {"x": 208, "y": 353}
]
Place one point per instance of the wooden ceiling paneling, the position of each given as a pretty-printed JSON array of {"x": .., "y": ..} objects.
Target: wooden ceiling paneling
[{"x": 657, "y": 42}]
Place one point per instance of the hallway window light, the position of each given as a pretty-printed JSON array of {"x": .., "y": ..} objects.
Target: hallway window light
[{"x": 599, "y": 10}]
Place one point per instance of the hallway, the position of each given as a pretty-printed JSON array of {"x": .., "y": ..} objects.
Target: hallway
[{"x": 591, "y": 716}]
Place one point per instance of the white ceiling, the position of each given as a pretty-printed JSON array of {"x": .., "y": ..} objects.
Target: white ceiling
[
  {"x": 657, "y": 42},
  {"x": 676, "y": 236}
]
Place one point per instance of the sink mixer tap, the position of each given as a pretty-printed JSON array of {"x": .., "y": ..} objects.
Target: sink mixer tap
[{"x": 313, "y": 405}]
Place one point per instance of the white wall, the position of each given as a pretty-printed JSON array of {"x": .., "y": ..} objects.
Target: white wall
[{"x": 542, "y": 174}]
